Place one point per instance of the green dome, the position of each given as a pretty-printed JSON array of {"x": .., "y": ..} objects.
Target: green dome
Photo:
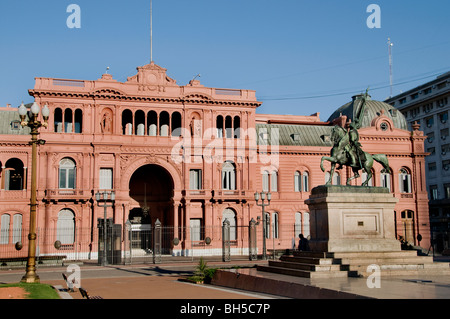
[{"x": 372, "y": 110}]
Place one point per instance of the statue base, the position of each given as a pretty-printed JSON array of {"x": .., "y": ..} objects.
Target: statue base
[{"x": 352, "y": 218}]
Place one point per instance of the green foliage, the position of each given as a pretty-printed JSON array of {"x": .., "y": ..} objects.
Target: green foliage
[
  {"x": 36, "y": 291},
  {"x": 203, "y": 273}
]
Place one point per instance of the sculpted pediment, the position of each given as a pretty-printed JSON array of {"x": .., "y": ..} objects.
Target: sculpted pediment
[{"x": 152, "y": 75}]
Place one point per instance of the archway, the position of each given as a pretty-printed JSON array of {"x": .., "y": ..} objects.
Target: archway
[{"x": 151, "y": 190}]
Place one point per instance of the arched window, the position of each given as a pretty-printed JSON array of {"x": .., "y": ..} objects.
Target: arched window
[
  {"x": 228, "y": 176},
  {"x": 267, "y": 225},
  {"x": 275, "y": 225},
  {"x": 305, "y": 182},
  {"x": 68, "y": 121},
  {"x": 302, "y": 224},
  {"x": 230, "y": 215},
  {"x": 176, "y": 124},
  {"x": 237, "y": 127},
  {"x": 405, "y": 181},
  {"x": 65, "y": 227},
  {"x": 306, "y": 227},
  {"x": 78, "y": 121},
  {"x": 298, "y": 224},
  {"x": 274, "y": 181},
  {"x": 336, "y": 178},
  {"x": 364, "y": 178},
  {"x": 127, "y": 122},
  {"x": 152, "y": 122},
  {"x": 265, "y": 181},
  {"x": 58, "y": 120},
  {"x": 164, "y": 124},
  {"x": 386, "y": 180},
  {"x": 219, "y": 126},
  {"x": 4, "y": 228},
  {"x": 229, "y": 126},
  {"x": 17, "y": 228},
  {"x": 297, "y": 181},
  {"x": 139, "y": 123},
  {"x": 67, "y": 174},
  {"x": 14, "y": 175}
]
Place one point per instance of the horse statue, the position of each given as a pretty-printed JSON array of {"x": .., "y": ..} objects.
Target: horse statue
[{"x": 347, "y": 151}]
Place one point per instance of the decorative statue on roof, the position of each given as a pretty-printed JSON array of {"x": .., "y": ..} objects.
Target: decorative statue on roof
[{"x": 347, "y": 150}]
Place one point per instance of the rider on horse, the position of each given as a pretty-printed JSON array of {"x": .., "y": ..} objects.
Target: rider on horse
[{"x": 352, "y": 146}]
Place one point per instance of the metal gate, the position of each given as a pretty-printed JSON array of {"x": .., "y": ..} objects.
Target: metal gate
[{"x": 143, "y": 242}]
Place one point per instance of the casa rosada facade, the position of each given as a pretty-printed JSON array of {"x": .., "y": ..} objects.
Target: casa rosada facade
[{"x": 191, "y": 157}]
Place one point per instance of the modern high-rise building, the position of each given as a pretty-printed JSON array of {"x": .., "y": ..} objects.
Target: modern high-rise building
[{"x": 428, "y": 106}]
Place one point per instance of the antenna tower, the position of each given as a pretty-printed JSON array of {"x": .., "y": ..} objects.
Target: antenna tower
[{"x": 390, "y": 45}]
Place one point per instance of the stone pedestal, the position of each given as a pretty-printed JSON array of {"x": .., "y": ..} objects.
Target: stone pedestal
[{"x": 352, "y": 219}]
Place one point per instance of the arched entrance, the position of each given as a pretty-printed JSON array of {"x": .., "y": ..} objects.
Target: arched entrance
[{"x": 151, "y": 192}]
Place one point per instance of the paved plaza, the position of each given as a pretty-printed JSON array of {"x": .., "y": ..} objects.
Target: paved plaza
[{"x": 162, "y": 282}]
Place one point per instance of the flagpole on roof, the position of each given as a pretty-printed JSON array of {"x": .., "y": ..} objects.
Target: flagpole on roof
[{"x": 151, "y": 31}]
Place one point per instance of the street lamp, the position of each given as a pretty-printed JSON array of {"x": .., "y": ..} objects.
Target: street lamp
[
  {"x": 34, "y": 124},
  {"x": 102, "y": 201},
  {"x": 263, "y": 205}
]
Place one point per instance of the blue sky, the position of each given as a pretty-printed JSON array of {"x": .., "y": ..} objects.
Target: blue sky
[{"x": 300, "y": 56}]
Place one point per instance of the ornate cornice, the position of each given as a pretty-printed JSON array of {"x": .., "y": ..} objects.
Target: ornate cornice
[{"x": 118, "y": 96}]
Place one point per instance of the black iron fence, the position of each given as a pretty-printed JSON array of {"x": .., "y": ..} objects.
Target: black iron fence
[{"x": 140, "y": 243}]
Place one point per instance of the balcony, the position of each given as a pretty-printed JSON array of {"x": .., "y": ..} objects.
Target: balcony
[
  {"x": 225, "y": 194},
  {"x": 67, "y": 195}
]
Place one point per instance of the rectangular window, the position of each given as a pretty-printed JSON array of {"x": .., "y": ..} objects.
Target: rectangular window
[
  {"x": 431, "y": 150},
  {"x": 442, "y": 85},
  {"x": 429, "y": 121},
  {"x": 443, "y": 117},
  {"x": 427, "y": 108},
  {"x": 444, "y": 134},
  {"x": 445, "y": 149},
  {"x": 447, "y": 191},
  {"x": 446, "y": 165},
  {"x": 442, "y": 102},
  {"x": 195, "y": 179},
  {"x": 433, "y": 192},
  {"x": 106, "y": 178},
  {"x": 432, "y": 167},
  {"x": 196, "y": 230}
]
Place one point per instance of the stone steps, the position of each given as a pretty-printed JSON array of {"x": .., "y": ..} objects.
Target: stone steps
[
  {"x": 303, "y": 273},
  {"x": 353, "y": 264},
  {"x": 307, "y": 267}
]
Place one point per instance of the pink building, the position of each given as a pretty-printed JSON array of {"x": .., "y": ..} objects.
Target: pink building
[{"x": 188, "y": 156}]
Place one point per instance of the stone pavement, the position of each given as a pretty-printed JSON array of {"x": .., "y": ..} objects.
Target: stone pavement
[{"x": 161, "y": 282}]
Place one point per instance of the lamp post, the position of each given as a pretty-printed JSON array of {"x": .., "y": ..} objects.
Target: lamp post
[
  {"x": 34, "y": 124},
  {"x": 102, "y": 201},
  {"x": 263, "y": 205}
]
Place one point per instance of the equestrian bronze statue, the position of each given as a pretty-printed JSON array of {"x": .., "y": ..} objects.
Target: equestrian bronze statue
[{"x": 347, "y": 151}]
